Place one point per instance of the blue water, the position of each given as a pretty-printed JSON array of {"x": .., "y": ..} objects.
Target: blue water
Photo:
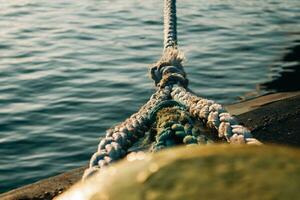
[{"x": 71, "y": 69}]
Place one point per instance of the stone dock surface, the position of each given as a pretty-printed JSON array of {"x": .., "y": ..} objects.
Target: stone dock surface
[{"x": 273, "y": 119}]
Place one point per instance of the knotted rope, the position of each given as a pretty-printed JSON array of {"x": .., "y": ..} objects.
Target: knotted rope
[
  {"x": 173, "y": 109},
  {"x": 169, "y": 70}
]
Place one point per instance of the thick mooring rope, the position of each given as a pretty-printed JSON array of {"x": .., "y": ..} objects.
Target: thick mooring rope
[
  {"x": 214, "y": 116},
  {"x": 170, "y": 24},
  {"x": 174, "y": 126},
  {"x": 119, "y": 139},
  {"x": 172, "y": 98}
]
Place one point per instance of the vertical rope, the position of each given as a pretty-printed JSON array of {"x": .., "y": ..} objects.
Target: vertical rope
[{"x": 170, "y": 24}]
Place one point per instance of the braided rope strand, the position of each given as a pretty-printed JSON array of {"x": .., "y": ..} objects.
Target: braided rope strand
[
  {"x": 215, "y": 117},
  {"x": 119, "y": 139},
  {"x": 170, "y": 24}
]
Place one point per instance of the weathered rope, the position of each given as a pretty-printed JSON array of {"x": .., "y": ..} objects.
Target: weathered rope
[
  {"x": 170, "y": 24},
  {"x": 214, "y": 116},
  {"x": 169, "y": 108},
  {"x": 174, "y": 126},
  {"x": 169, "y": 70},
  {"x": 119, "y": 139}
]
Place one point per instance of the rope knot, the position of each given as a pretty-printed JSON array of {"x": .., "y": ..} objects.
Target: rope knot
[{"x": 169, "y": 70}]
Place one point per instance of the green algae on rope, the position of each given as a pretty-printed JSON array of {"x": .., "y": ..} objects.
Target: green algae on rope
[
  {"x": 161, "y": 105},
  {"x": 174, "y": 126}
]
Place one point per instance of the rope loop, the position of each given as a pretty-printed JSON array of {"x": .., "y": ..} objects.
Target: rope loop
[{"x": 169, "y": 70}]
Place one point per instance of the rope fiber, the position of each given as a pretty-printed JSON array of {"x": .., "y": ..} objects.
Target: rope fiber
[{"x": 170, "y": 24}]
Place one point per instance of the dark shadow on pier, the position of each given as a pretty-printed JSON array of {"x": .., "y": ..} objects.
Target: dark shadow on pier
[{"x": 289, "y": 78}]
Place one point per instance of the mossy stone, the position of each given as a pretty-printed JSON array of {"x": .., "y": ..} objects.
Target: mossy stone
[{"x": 209, "y": 172}]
